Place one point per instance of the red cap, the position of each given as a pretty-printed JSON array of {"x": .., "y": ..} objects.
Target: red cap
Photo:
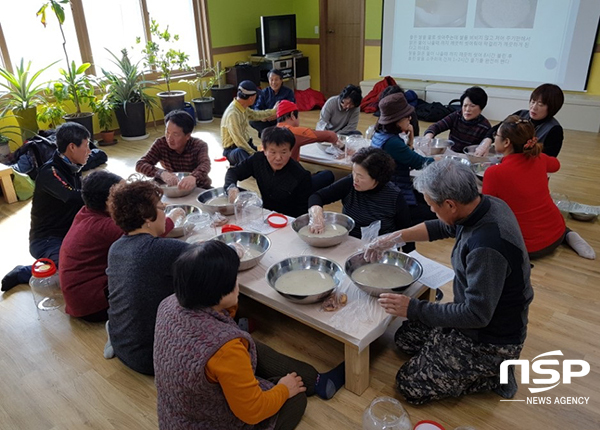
[{"x": 285, "y": 106}]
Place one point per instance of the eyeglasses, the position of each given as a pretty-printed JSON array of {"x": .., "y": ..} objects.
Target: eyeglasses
[{"x": 498, "y": 134}]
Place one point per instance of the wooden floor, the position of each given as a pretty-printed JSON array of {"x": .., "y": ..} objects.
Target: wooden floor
[{"x": 53, "y": 375}]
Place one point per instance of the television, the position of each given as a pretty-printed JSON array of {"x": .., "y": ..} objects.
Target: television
[{"x": 276, "y": 35}]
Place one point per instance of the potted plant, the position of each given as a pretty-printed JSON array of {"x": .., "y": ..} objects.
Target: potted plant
[
  {"x": 51, "y": 114},
  {"x": 23, "y": 95},
  {"x": 75, "y": 84},
  {"x": 126, "y": 93},
  {"x": 104, "y": 110},
  {"x": 222, "y": 93},
  {"x": 205, "y": 79},
  {"x": 166, "y": 61}
]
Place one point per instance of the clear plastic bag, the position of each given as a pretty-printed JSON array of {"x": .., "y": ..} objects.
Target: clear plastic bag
[
  {"x": 369, "y": 234},
  {"x": 355, "y": 143}
]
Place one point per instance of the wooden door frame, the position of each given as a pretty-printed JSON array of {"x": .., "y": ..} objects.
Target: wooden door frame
[{"x": 323, "y": 43}]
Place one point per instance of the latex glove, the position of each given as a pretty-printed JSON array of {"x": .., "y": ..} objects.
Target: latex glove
[
  {"x": 376, "y": 248},
  {"x": 169, "y": 178},
  {"x": 187, "y": 183},
  {"x": 483, "y": 148},
  {"x": 176, "y": 215},
  {"x": 232, "y": 194},
  {"x": 317, "y": 220}
]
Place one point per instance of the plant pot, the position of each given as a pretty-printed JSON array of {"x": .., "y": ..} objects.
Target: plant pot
[
  {"x": 132, "y": 121},
  {"x": 84, "y": 118},
  {"x": 108, "y": 138},
  {"x": 27, "y": 122},
  {"x": 190, "y": 109},
  {"x": 223, "y": 96},
  {"x": 171, "y": 100},
  {"x": 204, "y": 109}
]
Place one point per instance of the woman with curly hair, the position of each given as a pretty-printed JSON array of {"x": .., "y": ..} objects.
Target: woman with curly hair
[
  {"x": 367, "y": 195},
  {"x": 139, "y": 272},
  {"x": 521, "y": 180}
]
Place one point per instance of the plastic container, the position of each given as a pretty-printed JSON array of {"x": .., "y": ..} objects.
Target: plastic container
[
  {"x": 248, "y": 209},
  {"x": 198, "y": 228},
  {"x": 45, "y": 285},
  {"x": 386, "y": 413}
]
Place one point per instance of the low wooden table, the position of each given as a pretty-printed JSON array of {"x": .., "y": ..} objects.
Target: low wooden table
[
  {"x": 8, "y": 189},
  {"x": 356, "y": 339}
]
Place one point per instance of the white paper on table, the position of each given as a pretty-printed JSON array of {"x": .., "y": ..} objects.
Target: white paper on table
[
  {"x": 264, "y": 227},
  {"x": 434, "y": 274}
]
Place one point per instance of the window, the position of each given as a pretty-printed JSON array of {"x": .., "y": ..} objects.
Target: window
[
  {"x": 112, "y": 25},
  {"x": 91, "y": 26},
  {"x": 27, "y": 38}
]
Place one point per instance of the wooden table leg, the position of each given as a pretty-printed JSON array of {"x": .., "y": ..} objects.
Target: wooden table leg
[
  {"x": 357, "y": 369},
  {"x": 8, "y": 188},
  {"x": 428, "y": 295}
]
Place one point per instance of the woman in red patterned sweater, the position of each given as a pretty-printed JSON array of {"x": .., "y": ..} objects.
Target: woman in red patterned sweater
[{"x": 521, "y": 181}]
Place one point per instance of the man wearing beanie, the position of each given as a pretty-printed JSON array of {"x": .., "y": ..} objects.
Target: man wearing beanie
[
  {"x": 287, "y": 116},
  {"x": 237, "y": 143}
]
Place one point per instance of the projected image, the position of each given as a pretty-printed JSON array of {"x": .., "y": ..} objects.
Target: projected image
[
  {"x": 440, "y": 13},
  {"x": 505, "y": 13}
]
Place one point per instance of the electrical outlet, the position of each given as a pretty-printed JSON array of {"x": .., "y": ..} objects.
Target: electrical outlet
[{"x": 316, "y": 29}]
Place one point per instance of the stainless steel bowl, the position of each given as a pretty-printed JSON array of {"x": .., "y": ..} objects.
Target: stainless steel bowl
[
  {"x": 173, "y": 191},
  {"x": 583, "y": 216},
  {"x": 189, "y": 209},
  {"x": 305, "y": 262},
  {"x": 248, "y": 240},
  {"x": 480, "y": 168},
  {"x": 459, "y": 159},
  {"x": 438, "y": 146},
  {"x": 399, "y": 259},
  {"x": 492, "y": 156},
  {"x": 205, "y": 196},
  {"x": 330, "y": 218}
]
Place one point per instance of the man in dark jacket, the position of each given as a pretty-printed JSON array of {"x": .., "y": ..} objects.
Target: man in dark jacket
[
  {"x": 283, "y": 183},
  {"x": 56, "y": 199}
]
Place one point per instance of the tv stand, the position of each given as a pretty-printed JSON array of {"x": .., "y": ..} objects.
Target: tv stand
[{"x": 292, "y": 65}]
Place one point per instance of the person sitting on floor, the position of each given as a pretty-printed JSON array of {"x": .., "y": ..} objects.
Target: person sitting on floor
[
  {"x": 521, "y": 180},
  {"x": 267, "y": 98},
  {"x": 283, "y": 183},
  {"x": 139, "y": 272},
  {"x": 394, "y": 134},
  {"x": 178, "y": 151},
  {"x": 544, "y": 103},
  {"x": 56, "y": 199},
  {"x": 84, "y": 252},
  {"x": 210, "y": 373},
  {"x": 367, "y": 195},
  {"x": 287, "y": 116},
  {"x": 457, "y": 347},
  {"x": 340, "y": 113},
  {"x": 236, "y": 140},
  {"x": 467, "y": 126}
]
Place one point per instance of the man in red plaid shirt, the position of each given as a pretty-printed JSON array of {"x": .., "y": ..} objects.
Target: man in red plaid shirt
[{"x": 178, "y": 151}]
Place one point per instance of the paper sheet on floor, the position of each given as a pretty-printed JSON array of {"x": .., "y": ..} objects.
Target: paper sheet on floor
[{"x": 434, "y": 274}]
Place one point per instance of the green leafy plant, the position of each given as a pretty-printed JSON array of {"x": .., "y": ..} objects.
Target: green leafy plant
[
  {"x": 165, "y": 60},
  {"x": 75, "y": 84},
  {"x": 23, "y": 92},
  {"x": 51, "y": 113},
  {"x": 128, "y": 84},
  {"x": 104, "y": 110},
  {"x": 206, "y": 78}
]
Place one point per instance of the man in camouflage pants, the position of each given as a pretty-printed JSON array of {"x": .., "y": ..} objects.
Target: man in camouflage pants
[{"x": 458, "y": 347}]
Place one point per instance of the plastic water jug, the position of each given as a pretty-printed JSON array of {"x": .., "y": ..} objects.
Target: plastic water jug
[
  {"x": 248, "y": 208},
  {"x": 45, "y": 285},
  {"x": 386, "y": 413}
]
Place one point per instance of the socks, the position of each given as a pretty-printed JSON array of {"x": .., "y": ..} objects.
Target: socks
[
  {"x": 580, "y": 246},
  {"x": 329, "y": 383},
  {"x": 109, "y": 352},
  {"x": 11, "y": 279},
  {"x": 508, "y": 391}
]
